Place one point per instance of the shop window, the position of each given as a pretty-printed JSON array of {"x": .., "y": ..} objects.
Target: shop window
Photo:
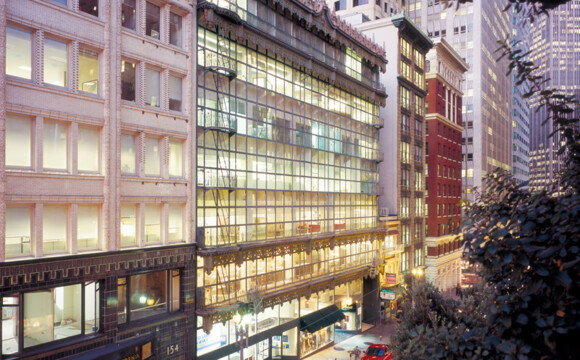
[
  {"x": 55, "y": 62},
  {"x": 175, "y": 29},
  {"x": 127, "y": 80},
  {"x": 54, "y": 146},
  {"x": 18, "y": 142},
  {"x": 175, "y": 227},
  {"x": 62, "y": 2},
  {"x": 152, "y": 157},
  {"x": 145, "y": 295},
  {"x": 18, "y": 53},
  {"x": 88, "y": 70},
  {"x": 175, "y": 93},
  {"x": 87, "y": 227},
  {"x": 175, "y": 159},
  {"x": 128, "y": 14},
  {"x": 89, "y": 6},
  {"x": 18, "y": 221},
  {"x": 152, "y": 224},
  {"x": 88, "y": 149},
  {"x": 128, "y": 225},
  {"x": 64, "y": 313},
  {"x": 152, "y": 87},
  {"x": 152, "y": 20},
  {"x": 128, "y": 154},
  {"x": 54, "y": 229}
]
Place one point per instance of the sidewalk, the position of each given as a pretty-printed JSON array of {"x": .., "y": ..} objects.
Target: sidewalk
[{"x": 370, "y": 335}]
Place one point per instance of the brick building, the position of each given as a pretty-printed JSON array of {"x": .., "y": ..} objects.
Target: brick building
[{"x": 445, "y": 70}]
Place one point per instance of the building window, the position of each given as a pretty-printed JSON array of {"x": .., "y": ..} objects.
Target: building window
[
  {"x": 404, "y": 261},
  {"x": 88, "y": 71},
  {"x": 66, "y": 311},
  {"x": 419, "y": 58},
  {"x": 55, "y": 62},
  {"x": 175, "y": 223},
  {"x": 404, "y": 207},
  {"x": 152, "y": 20},
  {"x": 152, "y": 87},
  {"x": 175, "y": 159},
  {"x": 152, "y": 224},
  {"x": 87, "y": 227},
  {"x": 88, "y": 150},
  {"x": 418, "y": 105},
  {"x": 128, "y": 154},
  {"x": 405, "y": 152},
  {"x": 54, "y": 228},
  {"x": 18, "y": 142},
  {"x": 175, "y": 32},
  {"x": 405, "y": 70},
  {"x": 405, "y": 178},
  {"x": 128, "y": 225},
  {"x": 145, "y": 295},
  {"x": 405, "y": 49},
  {"x": 152, "y": 157},
  {"x": 18, "y": 53},
  {"x": 360, "y": 2},
  {"x": 340, "y": 5},
  {"x": 175, "y": 90},
  {"x": 18, "y": 230},
  {"x": 54, "y": 143},
  {"x": 89, "y": 6},
  {"x": 127, "y": 80},
  {"x": 128, "y": 14},
  {"x": 418, "y": 181},
  {"x": 405, "y": 98}
]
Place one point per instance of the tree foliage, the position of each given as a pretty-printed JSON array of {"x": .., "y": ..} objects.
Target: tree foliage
[{"x": 527, "y": 245}]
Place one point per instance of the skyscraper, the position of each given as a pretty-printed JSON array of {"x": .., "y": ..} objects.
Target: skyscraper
[
  {"x": 555, "y": 49},
  {"x": 473, "y": 29}
]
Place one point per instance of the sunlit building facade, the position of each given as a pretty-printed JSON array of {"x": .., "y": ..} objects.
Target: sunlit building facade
[
  {"x": 97, "y": 117},
  {"x": 287, "y": 178},
  {"x": 473, "y": 30},
  {"x": 445, "y": 71},
  {"x": 367, "y": 10},
  {"x": 556, "y": 50}
]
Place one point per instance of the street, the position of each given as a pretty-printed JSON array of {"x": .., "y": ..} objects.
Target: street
[{"x": 370, "y": 335}]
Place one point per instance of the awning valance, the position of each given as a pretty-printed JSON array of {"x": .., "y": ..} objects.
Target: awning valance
[{"x": 321, "y": 319}]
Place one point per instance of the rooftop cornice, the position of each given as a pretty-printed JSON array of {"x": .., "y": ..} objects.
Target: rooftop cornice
[{"x": 404, "y": 23}]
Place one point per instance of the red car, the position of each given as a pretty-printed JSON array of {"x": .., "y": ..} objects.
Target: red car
[{"x": 378, "y": 352}]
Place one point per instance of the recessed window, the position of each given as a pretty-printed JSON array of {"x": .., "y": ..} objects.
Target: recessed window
[
  {"x": 127, "y": 80},
  {"x": 128, "y": 14},
  {"x": 87, "y": 227},
  {"x": 18, "y": 231},
  {"x": 152, "y": 157},
  {"x": 54, "y": 143},
  {"x": 55, "y": 62},
  {"x": 128, "y": 225},
  {"x": 152, "y": 224},
  {"x": 175, "y": 90},
  {"x": 128, "y": 154},
  {"x": 89, "y": 6},
  {"x": 175, "y": 159},
  {"x": 175, "y": 223},
  {"x": 152, "y": 20},
  {"x": 88, "y": 150},
  {"x": 88, "y": 70},
  {"x": 18, "y": 142},
  {"x": 18, "y": 53},
  {"x": 152, "y": 87},
  {"x": 54, "y": 228},
  {"x": 145, "y": 295},
  {"x": 175, "y": 32}
]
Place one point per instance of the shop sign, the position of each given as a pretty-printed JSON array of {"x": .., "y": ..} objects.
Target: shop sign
[
  {"x": 391, "y": 279},
  {"x": 387, "y": 294}
]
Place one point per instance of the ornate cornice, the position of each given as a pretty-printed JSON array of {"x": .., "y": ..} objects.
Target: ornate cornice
[{"x": 417, "y": 36}]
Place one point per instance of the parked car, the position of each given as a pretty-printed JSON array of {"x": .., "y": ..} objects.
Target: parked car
[{"x": 378, "y": 352}]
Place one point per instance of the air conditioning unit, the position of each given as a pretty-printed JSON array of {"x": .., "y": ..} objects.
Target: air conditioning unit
[{"x": 384, "y": 211}]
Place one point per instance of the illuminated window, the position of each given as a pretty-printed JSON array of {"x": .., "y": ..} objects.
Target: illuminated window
[
  {"x": 152, "y": 157},
  {"x": 88, "y": 149},
  {"x": 152, "y": 20},
  {"x": 405, "y": 48},
  {"x": 175, "y": 159},
  {"x": 127, "y": 80},
  {"x": 18, "y": 230},
  {"x": 88, "y": 71},
  {"x": 54, "y": 146},
  {"x": 152, "y": 87},
  {"x": 175, "y": 223},
  {"x": 18, "y": 142},
  {"x": 128, "y": 154},
  {"x": 55, "y": 62},
  {"x": 152, "y": 224},
  {"x": 87, "y": 227},
  {"x": 405, "y": 98},
  {"x": 54, "y": 229},
  {"x": 128, "y": 225},
  {"x": 18, "y": 53}
]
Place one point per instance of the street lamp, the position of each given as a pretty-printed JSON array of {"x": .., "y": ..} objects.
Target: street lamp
[{"x": 241, "y": 332}]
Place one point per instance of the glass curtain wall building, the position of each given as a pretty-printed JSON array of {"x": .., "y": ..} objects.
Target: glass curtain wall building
[{"x": 287, "y": 182}]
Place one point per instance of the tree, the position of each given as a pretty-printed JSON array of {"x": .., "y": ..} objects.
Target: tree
[{"x": 527, "y": 245}]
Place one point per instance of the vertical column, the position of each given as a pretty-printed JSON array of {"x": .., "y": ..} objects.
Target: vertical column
[
  {"x": 38, "y": 141},
  {"x": 73, "y": 148},
  {"x": 37, "y": 230},
  {"x": 72, "y": 231}
]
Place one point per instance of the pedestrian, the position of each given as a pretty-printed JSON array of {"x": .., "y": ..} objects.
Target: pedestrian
[
  {"x": 457, "y": 290},
  {"x": 460, "y": 292}
]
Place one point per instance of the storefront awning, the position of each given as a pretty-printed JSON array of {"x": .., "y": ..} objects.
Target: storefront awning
[{"x": 321, "y": 319}]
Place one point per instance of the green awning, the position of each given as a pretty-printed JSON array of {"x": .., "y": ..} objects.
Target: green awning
[{"x": 321, "y": 319}]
